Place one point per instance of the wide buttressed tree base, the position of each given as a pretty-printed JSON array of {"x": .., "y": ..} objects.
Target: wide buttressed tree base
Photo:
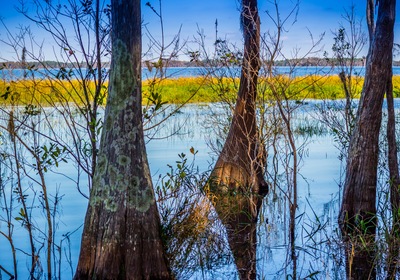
[
  {"x": 237, "y": 185},
  {"x": 121, "y": 237}
]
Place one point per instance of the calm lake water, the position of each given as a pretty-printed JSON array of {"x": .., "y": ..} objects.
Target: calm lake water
[
  {"x": 318, "y": 200},
  {"x": 175, "y": 72}
]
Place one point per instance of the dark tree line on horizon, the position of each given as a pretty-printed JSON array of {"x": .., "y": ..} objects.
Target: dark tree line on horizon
[{"x": 309, "y": 61}]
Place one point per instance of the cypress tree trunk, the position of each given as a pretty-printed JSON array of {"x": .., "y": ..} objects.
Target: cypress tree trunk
[
  {"x": 240, "y": 166},
  {"x": 121, "y": 237},
  {"x": 237, "y": 184},
  {"x": 358, "y": 211},
  {"x": 394, "y": 183}
]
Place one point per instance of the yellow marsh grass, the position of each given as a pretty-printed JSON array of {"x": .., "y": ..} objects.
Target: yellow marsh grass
[
  {"x": 311, "y": 87},
  {"x": 45, "y": 92},
  {"x": 180, "y": 90}
]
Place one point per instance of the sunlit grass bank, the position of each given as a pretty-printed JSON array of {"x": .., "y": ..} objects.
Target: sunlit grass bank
[
  {"x": 199, "y": 89},
  {"x": 46, "y": 92},
  {"x": 181, "y": 90}
]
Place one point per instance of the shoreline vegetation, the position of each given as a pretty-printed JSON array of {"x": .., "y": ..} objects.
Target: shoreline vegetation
[{"x": 178, "y": 90}]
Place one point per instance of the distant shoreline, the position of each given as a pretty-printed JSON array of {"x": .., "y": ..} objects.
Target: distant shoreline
[{"x": 306, "y": 62}]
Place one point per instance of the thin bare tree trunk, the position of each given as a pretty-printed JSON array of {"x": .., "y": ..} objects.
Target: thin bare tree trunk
[
  {"x": 121, "y": 237},
  {"x": 394, "y": 183}
]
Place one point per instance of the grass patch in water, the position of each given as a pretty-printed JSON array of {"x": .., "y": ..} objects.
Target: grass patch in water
[
  {"x": 46, "y": 92},
  {"x": 179, "y": 90}
]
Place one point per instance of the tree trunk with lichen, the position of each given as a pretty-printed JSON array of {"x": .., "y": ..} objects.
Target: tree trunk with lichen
[
  {"x": 237, "y": 184},
  {"x": 121, "y": 236},
  {"x": 358, "y": 211}
]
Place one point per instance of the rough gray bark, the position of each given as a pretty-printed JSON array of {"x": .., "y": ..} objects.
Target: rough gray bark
[
  {"x": 121, "y": 237},
  {"x": 358, "y": 210},
  {"x": 237, "y": 182}
]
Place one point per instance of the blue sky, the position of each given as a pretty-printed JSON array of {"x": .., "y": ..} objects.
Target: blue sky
[{"x": 314, "y": 16}]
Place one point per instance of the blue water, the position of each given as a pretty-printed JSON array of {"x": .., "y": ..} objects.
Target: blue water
[
  {"x": 175, "y": 72},
  {"x": 190, "y": 128}
]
